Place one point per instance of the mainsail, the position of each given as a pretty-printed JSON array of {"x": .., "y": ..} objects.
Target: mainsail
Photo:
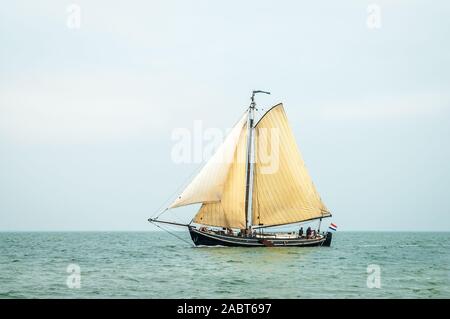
[{"x": 283, "y": 191}]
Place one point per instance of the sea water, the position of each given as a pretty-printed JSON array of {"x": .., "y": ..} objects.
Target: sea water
[{"x": 158, "y": 265}]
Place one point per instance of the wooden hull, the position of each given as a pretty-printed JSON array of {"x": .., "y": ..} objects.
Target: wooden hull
[{"x": 201, "y": 238}]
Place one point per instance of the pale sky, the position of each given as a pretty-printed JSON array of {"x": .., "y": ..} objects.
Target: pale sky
[{"x": 87, "y": 114}]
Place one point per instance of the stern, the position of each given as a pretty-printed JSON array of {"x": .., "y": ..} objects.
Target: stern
[{"x": 327, "y": 241}]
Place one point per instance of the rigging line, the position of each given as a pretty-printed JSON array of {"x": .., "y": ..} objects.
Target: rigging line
[
  {"x": 176, "y": 192},
  {"x": 190, "y": 244},
  {"x": 260, "y": 114},
  {"x": 165, "y": 210}
]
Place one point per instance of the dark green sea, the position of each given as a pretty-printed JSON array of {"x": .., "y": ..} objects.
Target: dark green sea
[{"x": 157, "y": 265}]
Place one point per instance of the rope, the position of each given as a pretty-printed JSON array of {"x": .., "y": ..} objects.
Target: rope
[
  {"x": 177, "y": 191},
  {"x": 178, "y": 237},
  {"x": 165, "y": 210},
  {"x": 260, "y": 113}
]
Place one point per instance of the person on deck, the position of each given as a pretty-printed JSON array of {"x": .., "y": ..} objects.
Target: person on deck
[
  {"x": 300, "y": 232},
  {"x": 308, "y": 232}
]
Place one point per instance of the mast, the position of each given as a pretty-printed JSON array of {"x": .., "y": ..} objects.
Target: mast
[{"x": 249, "y": 162}]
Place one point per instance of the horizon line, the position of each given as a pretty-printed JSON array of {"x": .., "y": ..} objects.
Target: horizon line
[{"x": 156, "y": 230}]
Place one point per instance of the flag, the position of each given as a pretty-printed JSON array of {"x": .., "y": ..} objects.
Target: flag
[{"x": 332, "y": 227}]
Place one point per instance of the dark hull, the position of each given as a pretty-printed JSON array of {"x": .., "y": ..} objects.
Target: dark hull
[{"x": 201, "y": 238}]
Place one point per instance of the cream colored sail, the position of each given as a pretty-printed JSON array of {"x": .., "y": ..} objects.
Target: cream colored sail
[
  {"x": 283, "y": 191},
  {"x": 213, "y": 180},
  {"x": 230, "y": 210}
]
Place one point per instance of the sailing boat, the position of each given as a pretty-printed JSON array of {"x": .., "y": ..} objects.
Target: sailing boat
[{"x": 243, "y": 191}]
